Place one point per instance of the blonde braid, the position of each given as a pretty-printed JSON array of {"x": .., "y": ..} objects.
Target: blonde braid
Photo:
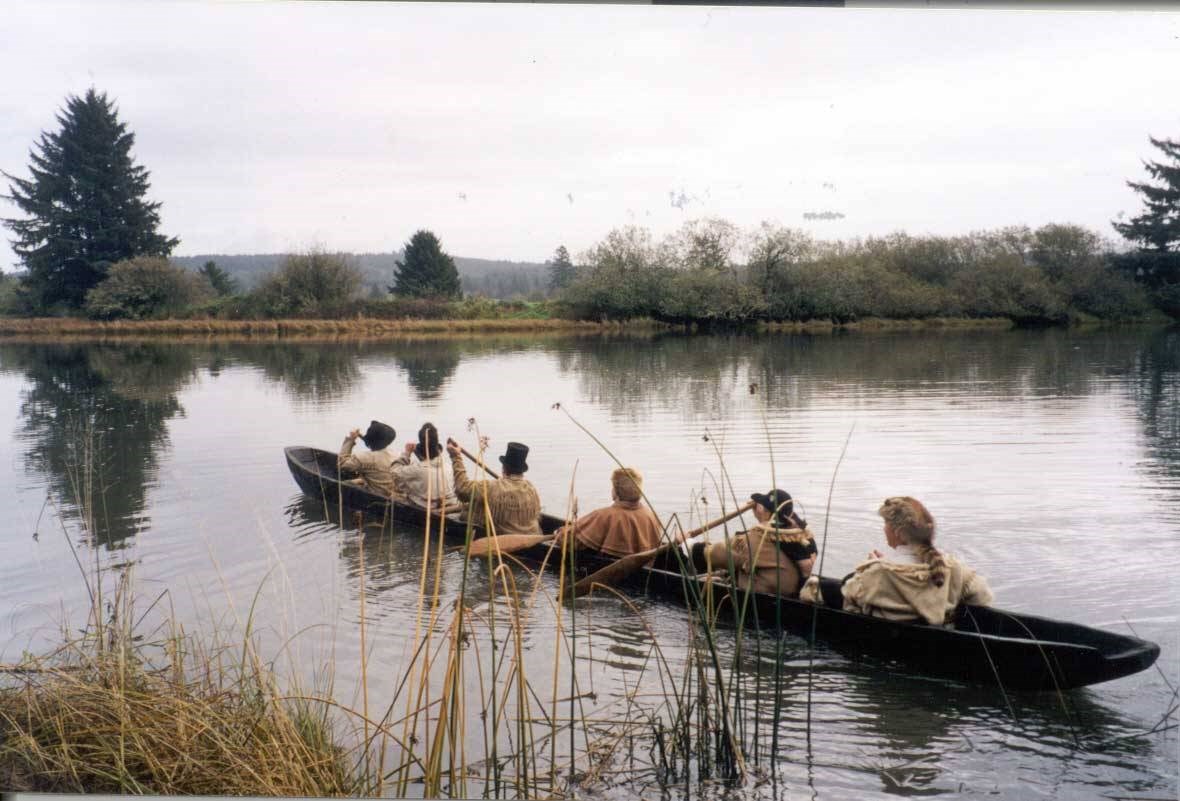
[{"x": 913, "y": 521}]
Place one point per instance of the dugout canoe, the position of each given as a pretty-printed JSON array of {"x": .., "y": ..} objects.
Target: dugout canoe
[{"x": 984, "y": 645}]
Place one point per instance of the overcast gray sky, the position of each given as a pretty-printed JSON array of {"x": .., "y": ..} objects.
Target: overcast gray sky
[{"x": 511, "y": 129}]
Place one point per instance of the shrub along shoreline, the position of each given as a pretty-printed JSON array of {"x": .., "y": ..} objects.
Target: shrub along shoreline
[{"x": 708, "y": 275}]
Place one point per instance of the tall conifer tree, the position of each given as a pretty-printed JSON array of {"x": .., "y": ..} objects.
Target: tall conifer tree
[
  {"x": 1156, "y": 231},
  {"x": 85, "y": 204},
  {"x": 425, "y": 270},
  {"x": 1158, "y": 227},
  {"x": 561, "y": 269}
]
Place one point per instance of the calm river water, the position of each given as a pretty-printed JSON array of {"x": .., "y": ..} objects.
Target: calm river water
[{"x": 1051, "y": 460}]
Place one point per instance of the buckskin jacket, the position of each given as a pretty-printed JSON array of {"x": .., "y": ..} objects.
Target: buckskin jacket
[
  {"x": 514, "y": 503},
  {"x": 413, "y": 478},
  {"x": 903, "y": 591},
  {"x": 764, "y": 558},
  {"x": 372, "y": 466},
  {"x": 621, "y": 529}
]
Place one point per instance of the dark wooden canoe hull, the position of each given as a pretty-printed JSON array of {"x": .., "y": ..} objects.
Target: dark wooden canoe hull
[{"x": 986, "y": 645}]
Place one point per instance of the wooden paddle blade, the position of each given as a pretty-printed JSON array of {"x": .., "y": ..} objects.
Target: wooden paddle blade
[
  {"x": 507, "y": 543},
  {"x": 618, "y": 570}
]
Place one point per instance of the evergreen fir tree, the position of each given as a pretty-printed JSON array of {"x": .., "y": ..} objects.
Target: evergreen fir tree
[
  {"x": 84, "y": 203},
  {"x": 221, "y": 281},
  {"x": 1157, "y": 230},
  {"x": 561, "y": 270},
  {"x": 425, "y": 270}
]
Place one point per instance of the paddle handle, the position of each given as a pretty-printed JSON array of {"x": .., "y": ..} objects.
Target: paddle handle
[
  {"x": 470, "y": 456},
  {"x": 745, "y": 507}
]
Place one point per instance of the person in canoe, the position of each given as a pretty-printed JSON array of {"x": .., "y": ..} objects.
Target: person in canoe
[
  {"x": 774, "y": 556},
  {"x": 511, "y": 499},
  {"x": 915, "y": 580},
  {"x": 621, "y": 529},
  {"x": 426, "y": 474},
  {"x": 374, "y": 466}
]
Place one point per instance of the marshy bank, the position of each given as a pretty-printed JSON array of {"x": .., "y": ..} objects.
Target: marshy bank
[
  {"x": 381, "y": 328},
  {"x": 345, "y": 327}
]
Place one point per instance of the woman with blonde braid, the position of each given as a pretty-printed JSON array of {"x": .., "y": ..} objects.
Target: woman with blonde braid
[{"x": 916, "y": 581}]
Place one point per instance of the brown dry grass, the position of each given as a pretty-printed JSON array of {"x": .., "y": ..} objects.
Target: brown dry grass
[
  {"x": 99, "y": 716},
  {"x": 360, "y": 326}
]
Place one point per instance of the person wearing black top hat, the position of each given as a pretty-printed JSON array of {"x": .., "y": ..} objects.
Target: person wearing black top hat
[
  {"x": 374, "y": 466},
  {"x": 775, "y": 556},
  {"x": 511, "y": 501}
]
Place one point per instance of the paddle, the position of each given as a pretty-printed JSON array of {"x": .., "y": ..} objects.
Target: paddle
[
  {"x": 506, "y": 543},
  {"x": 511, "y": 543},
  {"x": 620, "y": 569},
  {"x": 469, "y": 455}
]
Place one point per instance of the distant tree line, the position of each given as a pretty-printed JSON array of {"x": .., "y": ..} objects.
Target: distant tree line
[
  {"x": 89, "y": 243},
  {"x": 711, "y": 273}
]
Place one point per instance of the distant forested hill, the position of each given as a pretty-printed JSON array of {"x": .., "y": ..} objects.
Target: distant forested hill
[{"x": 495, "y": 279}]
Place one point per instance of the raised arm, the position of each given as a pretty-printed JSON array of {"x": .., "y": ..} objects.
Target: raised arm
[
  {"x": 465, "y": 488},
  {"x": 345, "y": 460}
]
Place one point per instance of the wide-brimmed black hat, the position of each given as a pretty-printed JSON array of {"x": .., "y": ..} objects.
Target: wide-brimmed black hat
[
  {"x": 428, "y": 432},
  {"x": 782, "y": 508},
  {"x": 378, "y": 436},
  {"x": 514, "y": 456}
]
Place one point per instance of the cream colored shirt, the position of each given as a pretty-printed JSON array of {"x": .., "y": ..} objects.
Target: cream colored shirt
[
  {"x": 903, "y": 591},
  {"x": 372, "y": 466},
  {"x": 416, "y": 479}
]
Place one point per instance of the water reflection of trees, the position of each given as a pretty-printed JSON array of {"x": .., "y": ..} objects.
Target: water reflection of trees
[
  {"x": 321, "y": 372},
  {"x": 113, "y": 400},
  {"x": 126, "y": 392},
  {"x": 429, "y": 365},
  {"x": 1157, "y": 391},
  {"x": 702, "y": 376},
  {"x": 310, "y": 373}
]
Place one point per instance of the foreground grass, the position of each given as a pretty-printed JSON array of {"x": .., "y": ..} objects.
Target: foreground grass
[{"x": 99, "y": 716}]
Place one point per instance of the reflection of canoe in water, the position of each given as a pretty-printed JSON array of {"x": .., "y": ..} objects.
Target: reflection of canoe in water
[{"x": 985, "y": 644}]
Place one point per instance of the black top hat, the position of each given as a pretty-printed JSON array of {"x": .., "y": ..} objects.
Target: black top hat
[
  {"x": 782, "y": 508},
  {"x": 427, "y": 432},
  {"x": 514, "y": 458},
  {"x": 378, "y": 436}
]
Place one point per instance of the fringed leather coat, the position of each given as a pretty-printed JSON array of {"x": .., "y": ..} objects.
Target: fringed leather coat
[{"x": 513, "y": 502}]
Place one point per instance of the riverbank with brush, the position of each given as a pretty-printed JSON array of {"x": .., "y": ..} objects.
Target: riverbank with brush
[{"x": 382, "y": 328}]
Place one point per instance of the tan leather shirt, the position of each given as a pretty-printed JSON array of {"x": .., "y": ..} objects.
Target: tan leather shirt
[
  {"x": 759, "y": 563},
  {"x": 621, "y": 529},
  {"x": 372, "y": 466},
  {"x": 514, "y": 503},
  {"x": 904, "y": 592}
]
